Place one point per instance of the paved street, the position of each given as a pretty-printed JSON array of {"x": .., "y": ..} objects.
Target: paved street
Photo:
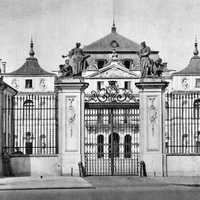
[
  {"x": 147, "y": 193},
  {"x": 111, "y": 188}
]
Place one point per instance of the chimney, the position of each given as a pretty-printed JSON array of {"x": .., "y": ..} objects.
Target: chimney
[{"x": 4, "y": 67}]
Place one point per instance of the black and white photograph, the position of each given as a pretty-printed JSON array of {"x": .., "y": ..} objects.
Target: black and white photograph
[{"x": 99, "y": 99}]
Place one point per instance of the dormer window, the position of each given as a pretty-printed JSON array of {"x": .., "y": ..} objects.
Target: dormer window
[
  {"x": 114, "y": 44},
  {"x": 127, "y": 63},
  {"x": 101, "y": 63},
  {"x": 28, "y": 83}
]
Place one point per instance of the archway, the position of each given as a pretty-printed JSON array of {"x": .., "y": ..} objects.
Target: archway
[{"x": 113, "y": 145}]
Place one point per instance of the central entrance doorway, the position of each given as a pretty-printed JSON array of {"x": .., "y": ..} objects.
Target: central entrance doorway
[{"x": 111, "y": 142}]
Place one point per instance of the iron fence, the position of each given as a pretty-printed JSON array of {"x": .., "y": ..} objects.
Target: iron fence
[
  {"x": 34, "y": 124},
  {"x": 182, "y": 134}
]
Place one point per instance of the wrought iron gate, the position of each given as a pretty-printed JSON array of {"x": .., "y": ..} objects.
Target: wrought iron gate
[{"x": 111, "y": 145}]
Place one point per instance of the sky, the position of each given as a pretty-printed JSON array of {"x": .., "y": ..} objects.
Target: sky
[{"x": 167, "y": 26}]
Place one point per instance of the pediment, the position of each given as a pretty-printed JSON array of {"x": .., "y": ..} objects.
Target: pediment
[{"x": 113, "y": 70}]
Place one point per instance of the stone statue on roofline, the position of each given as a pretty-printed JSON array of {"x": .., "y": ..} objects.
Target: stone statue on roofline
[
  {"x": 66, "y": 69},
  {"x": 149, "y": 67},
  {"x": 75, "y": 62}
]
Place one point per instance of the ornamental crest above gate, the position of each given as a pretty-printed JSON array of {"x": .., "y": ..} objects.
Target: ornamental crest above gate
[{"x": 111, "y": 94}]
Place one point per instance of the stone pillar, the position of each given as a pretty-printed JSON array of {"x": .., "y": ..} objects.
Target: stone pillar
[
  {"x": 70, "y": 123},
  {"x": 1, "y": 128},
  {"x": 152, "y": 123},
  {"x": 5, "y": 90}
]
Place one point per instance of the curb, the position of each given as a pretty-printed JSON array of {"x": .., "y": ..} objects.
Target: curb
[
  {"x": 185, "y": 184},
  {"x": 46, "y": 188}
]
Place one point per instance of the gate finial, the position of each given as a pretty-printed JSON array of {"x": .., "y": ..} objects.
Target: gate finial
[
  {"x": 196, "y": 52},
  {"x": 31, "y": 52}
]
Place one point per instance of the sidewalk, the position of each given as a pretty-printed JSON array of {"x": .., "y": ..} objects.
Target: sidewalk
[
  {"x": 69, "y": 182},
  {"x": 54, "y": 182},
  {"x": 135, "y": 181}
]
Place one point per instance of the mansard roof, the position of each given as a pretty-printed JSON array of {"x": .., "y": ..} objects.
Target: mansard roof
[
  {"x": 31, "y": 67},
  {"x": 112, "y": 40}
]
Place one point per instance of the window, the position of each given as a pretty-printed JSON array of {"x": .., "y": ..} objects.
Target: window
[
  {"x": 28, "y": 83},
  {"x": 127, "y": 85},
  {"x": 127, "y": 63},
  {"x": 100, "y": 63},
  {"x": 197, "y": 83},
  {"x": 99, "y": 116},
  {"x": 114, "y": 44},
  {"x": 197, "y": 146},
  {"x": 100, "y": 85},
  {"x": 113, "y": 84},
  {"x": 29, "y": 147},
  {"x": 167, "y": 109},
  {"x": 127, "y": 146},
  {"x": 28, "y": 103},
  {"x": 28, "y": 109},
  {"x": 115, "y": 149},
  {"x": 29, "y": 144},
  {"x": 100, "y": 142},
  {"x": 125, "y": 116},
  {"x": 198, "y": 142},
  {"x": 197, "y": 108}
]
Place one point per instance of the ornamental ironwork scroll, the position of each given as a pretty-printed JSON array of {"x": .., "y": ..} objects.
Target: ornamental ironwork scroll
[{"x": 112, "y": 94}]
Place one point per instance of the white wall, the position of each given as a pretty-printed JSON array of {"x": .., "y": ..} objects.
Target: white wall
[
  {"x": 178, "y": 83},
  {"x": 35, "y": 165},
  {"x": 183, "y": 165},
  {"x": 18, "y": 83}
]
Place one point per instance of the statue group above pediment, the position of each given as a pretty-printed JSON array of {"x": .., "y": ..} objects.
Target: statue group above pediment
[
  {"x": 149, "y": 67},
  {"x": 74, "y": 60}
]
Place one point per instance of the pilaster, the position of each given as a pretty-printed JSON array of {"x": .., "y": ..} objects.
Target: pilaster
[
  {"x": 70, "y": 123},
  {"x": 152, "y": 124}
]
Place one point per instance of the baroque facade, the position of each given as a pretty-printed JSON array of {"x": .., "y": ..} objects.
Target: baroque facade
[{"x": 111, "y": 142}]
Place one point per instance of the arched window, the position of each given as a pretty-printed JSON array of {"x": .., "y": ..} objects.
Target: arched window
[
  {"x": 28, "y": 109},
  {"x": 28, "y": 103},
  {"x": 197, "y": 108},
  {"x": 127, "y": 146},
  {"x": 113, "y": 145},
  {"x": 100, "y": 143}
]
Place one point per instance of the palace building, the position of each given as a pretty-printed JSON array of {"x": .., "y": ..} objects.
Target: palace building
[{"x": 95, "y": 119}]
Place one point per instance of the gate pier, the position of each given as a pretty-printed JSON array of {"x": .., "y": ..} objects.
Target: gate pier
[
  {"x": 152, "y": 122},
  {"x": 70, "y": 123}
]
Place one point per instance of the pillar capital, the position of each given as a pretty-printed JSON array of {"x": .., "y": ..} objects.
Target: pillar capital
[
  {"x": 71, "y": 84},
  {"x": 152, "y": 83}
]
